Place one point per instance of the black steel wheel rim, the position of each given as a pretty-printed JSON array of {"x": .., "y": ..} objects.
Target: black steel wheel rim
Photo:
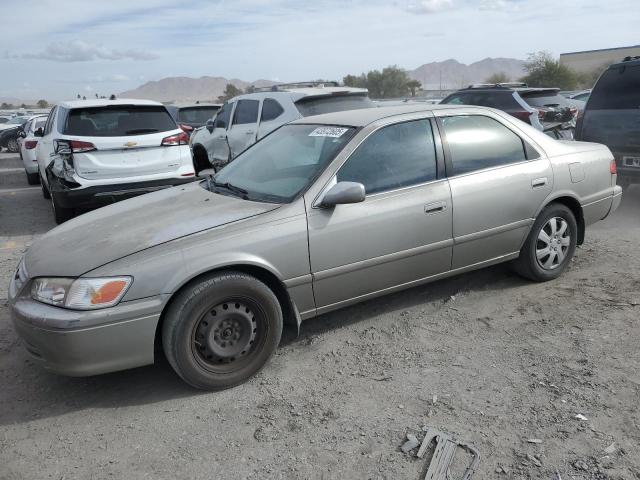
[{"x": 228, "y": 335}]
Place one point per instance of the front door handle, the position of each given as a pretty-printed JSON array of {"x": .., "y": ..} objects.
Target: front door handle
[
  {"x": 435, "y": 207},
  {"x": 538, "y": 182},
  {"x": 250, "y": 132}
]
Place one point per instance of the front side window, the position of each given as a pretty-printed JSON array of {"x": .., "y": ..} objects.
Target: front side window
[
  {"x": 118, "y": 121},
  {"x": 617, "y": 89},
  {"x": 196, "y": 114},
  {"x": 393, "y": 157},
  {"x": 271, "y": 110},
  {"x": 223, "y": 116},
  {"x": 246, "y": 112},
  {"x": 477, "y": 142},
  {"x": 283, "y": 164}
]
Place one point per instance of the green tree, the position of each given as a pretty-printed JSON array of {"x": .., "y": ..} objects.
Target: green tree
[
  {"x": 391, "y": 82},
  {"x": 588, "y": 79},
  {"x": 498, "y": 77},
  {"x": 545, "y": 71},
  {"x": 357, "y": 81},
  {"x": 6, "y": 106},
  {"x": 42, "y": 104},
  {"x": 413, "y": 85},
  {"x": 230, "y": 91}
]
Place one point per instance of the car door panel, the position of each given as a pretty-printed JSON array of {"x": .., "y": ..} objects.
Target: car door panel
[
  {"x": 244, "y": 128},
  {"x": 218, "y": 149},
  {"x": 388, "y": 240}
]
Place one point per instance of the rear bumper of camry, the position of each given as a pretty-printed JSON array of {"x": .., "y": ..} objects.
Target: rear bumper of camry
[{"x": 82, "y": 343}]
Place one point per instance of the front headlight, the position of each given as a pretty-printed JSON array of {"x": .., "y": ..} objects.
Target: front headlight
[{"x": 82, "y": 293}]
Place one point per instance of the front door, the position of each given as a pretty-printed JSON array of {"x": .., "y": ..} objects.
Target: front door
[
  {"x": 219, "y": 150},
  {"x": 498, "y": 182},
  {"x": 400, "y": 234},
  {"x": 244, "y": 128}
]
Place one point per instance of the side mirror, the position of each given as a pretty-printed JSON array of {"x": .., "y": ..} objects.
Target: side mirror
[
  {"x": 39, "y": 132},
  {"x": 207, "y": 172},
  {"x": 22, "y": 134},
  {"x": 343, "y": 193},
  {"x": 210, "y": 125}
]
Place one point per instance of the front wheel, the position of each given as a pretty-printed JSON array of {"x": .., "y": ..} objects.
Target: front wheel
[
  {"x": 550, "y": 245},
  {"x": 222, "y": 330},
  {"x": 13, "y": 146}
]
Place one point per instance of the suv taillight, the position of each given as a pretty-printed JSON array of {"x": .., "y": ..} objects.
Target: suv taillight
[
  {"x": 80, "y": 147},
  {"x": 178, "y": 139},
  {"x": 30, "y": 144},
  {"x": 613, "y": 168}
]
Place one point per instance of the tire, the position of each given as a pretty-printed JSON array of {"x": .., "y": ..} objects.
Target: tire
[
  {"x": 33, "y": 178},
  {"x": 13, "y": 146},
  {"x": 545, "y": 256},
  {"x": 221, "y": 330},
  {"x": 60, "y": 214},
  {"x": 45, "y": 191}
]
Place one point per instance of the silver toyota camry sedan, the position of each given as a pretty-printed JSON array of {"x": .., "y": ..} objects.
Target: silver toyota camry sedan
[{"x": 324, "y": 212}]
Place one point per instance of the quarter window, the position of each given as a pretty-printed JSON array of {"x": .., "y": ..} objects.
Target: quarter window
[
  {"x": 49, "y": 124},
  {"x": 393, "y": 157},
  {"x": 246, "y": 112},
  {"x": 477, "y": 142},
  {"x": 223, "y": 116},
  {"x": 271, "y": 110}
]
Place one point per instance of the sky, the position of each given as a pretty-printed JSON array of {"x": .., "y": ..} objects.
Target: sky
[{"x": 55, "y": 49}]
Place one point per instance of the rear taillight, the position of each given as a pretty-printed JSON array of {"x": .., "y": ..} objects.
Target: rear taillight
[
  {"x": 30, "y": 144},
  {"x": 522, "y": 115},
  {"x": 178, "y": 139},
  {"x": 186, "y": 128},
  {"x": 541, "y": 114},
  {"x": 80, "y": 147},
  {"x": 613, "y": 168},
  {"x": 574, "y": 111}
]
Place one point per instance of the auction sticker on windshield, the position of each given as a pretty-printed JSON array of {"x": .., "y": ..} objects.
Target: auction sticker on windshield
[{"x": 333, "y": 132}]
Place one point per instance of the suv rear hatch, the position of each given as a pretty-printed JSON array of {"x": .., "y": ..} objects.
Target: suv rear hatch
[
  {"x": 612, "y": 116},
  {"x": 123, "y": 141},
  {"x": 333, "y": 102},
  {"x": 552, "y": 106}
]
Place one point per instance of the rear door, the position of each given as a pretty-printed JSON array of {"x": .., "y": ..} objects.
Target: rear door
[
  {"x": 122, "y": 141},
  {"x": 498, "y": 181},
  {"x": 244, "y": 127},
  {"x": 44, "y": 149},
  {"x": 612, "y": 117}
]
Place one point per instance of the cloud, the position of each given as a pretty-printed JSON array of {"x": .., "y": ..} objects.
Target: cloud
[
  {"x": 498, "y": 5},
  {"x": 429, "y": 6},
  {"x": 80, "y": 51}
]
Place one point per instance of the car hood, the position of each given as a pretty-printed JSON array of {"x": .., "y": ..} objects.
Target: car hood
[{"x": 107, "y": 234}]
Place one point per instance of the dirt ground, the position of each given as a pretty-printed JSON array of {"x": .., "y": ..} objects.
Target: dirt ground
[{"x": 494, "y": 360}]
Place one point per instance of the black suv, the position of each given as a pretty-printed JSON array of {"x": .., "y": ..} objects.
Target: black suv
[
  {"x": 612, "y": 117},
  {"x": 543, "y": 108}
]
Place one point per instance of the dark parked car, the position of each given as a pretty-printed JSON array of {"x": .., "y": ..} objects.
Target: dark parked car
[
  {"x": 190, "y": 117},
  {"x": 9, "y": 135},
  {"x": 542, "y": 108},
  {"x": 612, "y": 117}
]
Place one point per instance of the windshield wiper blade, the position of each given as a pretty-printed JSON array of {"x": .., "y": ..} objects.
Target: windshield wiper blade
[
  {"x": 233, "y": 188},
  {"x": 141, "y": 130}
]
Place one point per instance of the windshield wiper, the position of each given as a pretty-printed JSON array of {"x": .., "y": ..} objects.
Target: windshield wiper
[
  {"x": 238, "y": 190},
  {"x": 141, "y": 130}
]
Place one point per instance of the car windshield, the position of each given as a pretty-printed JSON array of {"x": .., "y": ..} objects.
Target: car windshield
[
  {"x": 545, "y": 100},
  {"x": 118, "y": 121},
  {"x": 283, "y": 164},
  {"x": 17, "y": 120},
  {"x": 196, "y": 114}
]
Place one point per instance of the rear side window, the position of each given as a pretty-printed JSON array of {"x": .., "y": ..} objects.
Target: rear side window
[
  {"x": 393, "y": 157},
  {"x": 477, "y": 142},
  {"x": 118, "y": 121},
  {"x": 246, "y": 112},
  {"x": 271, "y": 110},
  {"x": 332, "y": 103},
  {"x": 501, "y": 100},
  {"x": 196, "y": 114},
  {"x": 617, "y": 89}
]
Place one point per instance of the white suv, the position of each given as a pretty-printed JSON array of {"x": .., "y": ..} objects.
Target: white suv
[
  {"x": 247, "y": 118},
  {"x": 95, "y": 152}
]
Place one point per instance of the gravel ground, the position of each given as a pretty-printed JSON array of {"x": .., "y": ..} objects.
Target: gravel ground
[{"x": 492, "y": 359}]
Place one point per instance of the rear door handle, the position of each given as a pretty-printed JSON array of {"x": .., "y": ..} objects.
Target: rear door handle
[
  {"x": 250, "y": 132},
  {"x": 538, "y": 182},
  {"x": 435, "y": 207}
]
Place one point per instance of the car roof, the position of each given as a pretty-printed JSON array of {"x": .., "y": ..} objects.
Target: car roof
[
  {"x": 627, "y": 62},
  {"x": 195, "y": 105},
  {"x": 296, "y": 93},
  {"x": 106, "y": 102},
  {"x": 365, "y": 116}
]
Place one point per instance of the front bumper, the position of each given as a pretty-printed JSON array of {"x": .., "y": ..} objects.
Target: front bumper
[
  {"x": 82, "y": 343},
  {"x": 101, "y": 195}
]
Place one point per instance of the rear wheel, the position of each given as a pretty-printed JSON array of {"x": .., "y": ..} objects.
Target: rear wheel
[
  {"x": 550, "y": 245},
  {"x": 33, "y": 178},
  {"x": 13, "y": 146},
  {"x": 60, "y": 214},
  {"x": 45, "y": 190},
  {"x": 222, "y": 330}
]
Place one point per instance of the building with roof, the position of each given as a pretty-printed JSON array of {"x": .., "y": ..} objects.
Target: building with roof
[{"x": 589, "y": 60}]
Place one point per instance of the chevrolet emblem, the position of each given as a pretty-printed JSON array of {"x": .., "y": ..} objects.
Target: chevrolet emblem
[{"x": 130, "y": 144}]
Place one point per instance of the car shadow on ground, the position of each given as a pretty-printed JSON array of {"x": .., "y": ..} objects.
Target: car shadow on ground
[{"x": 54, "y": 395}]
